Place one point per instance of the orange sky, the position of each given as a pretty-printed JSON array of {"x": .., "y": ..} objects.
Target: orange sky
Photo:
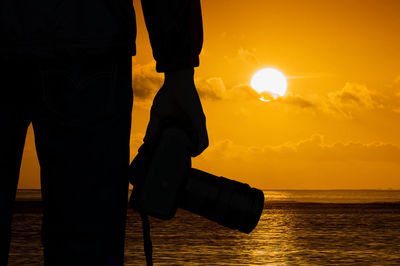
[{"x": 336, "y": 128}]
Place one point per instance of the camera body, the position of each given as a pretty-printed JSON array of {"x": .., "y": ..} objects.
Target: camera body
[
  {"x": 159, "y": 172},
  {"x": 164, "y": 181}
]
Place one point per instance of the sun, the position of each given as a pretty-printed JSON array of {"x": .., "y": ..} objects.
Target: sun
[{"x": 269, "y": 80}]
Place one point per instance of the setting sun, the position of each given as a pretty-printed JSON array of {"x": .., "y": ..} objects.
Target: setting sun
[{"x": 269, "y": 80}]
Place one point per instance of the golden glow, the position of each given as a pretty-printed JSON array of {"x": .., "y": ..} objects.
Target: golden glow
[
  {"x": 269, "y": 80},
  {"x": 344, "y": 81}
]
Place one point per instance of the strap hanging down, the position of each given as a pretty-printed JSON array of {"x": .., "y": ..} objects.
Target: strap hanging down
[{"x": 148, "y": 247}]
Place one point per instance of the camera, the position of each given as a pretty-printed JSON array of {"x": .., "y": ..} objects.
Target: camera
[{"x": 163, "y": 181}]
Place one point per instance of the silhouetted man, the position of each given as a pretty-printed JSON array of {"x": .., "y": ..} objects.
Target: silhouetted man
[{"x": 67, "y": 69}]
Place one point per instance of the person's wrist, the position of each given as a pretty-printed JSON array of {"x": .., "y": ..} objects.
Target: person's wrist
[{"x": 181, "y": 75}]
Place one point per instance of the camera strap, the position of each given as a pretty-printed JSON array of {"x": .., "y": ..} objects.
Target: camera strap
[{"x": 148, "y": 247}]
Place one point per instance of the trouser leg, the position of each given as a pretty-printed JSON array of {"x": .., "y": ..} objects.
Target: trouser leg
[
  {"x": 82, "y": 138},
  {"x": 14, "y": 121}
]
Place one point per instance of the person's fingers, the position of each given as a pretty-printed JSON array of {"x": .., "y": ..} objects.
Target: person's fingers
[
  {"x": 152, "y": 126},
  {"x": 179, "y": 105},
  {"x": 202, "y": 137},
  {"x": 157, "y": 109},
  {"x": 190, "y": 103}
]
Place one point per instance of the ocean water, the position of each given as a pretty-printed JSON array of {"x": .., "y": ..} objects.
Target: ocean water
[{"x": 309, "y": 227}]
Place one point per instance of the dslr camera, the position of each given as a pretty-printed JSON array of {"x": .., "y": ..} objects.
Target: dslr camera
[{"x": 163, "y": 181}]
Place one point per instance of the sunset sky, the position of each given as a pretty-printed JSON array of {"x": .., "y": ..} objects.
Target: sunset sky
[{"x": 337, "y": 127}]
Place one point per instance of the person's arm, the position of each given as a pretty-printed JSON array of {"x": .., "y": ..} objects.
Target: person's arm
[
  {"x": 175, "y": 31},
  {"x": 176, "y": 36}
]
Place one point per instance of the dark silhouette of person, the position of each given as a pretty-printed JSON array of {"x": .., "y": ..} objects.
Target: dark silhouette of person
[{"x": 67, "y": 69}]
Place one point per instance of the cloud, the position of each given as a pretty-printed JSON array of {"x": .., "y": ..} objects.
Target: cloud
[
  {"x": 311, "y": 76},
  {"x": 397, "y": 80},
  {"x": 352, "y": 97},
  {"x": 243, "y": 56},
  {"x": 395, "y": 88},
  {"x": 311, "y": 149},
  {"x": 247, "y": 56},
  {"x": 146, "y": 81},
  {"x": 242, "y": 91},
  {"x": 297, "y": 100},
  {"x": 214, "y": 88},
  {"x": 396, "y": 110},
  {"x": 135, "y": 143},
  {"x": 310, "y": 163},
  {"x": 211, "y": 88}
]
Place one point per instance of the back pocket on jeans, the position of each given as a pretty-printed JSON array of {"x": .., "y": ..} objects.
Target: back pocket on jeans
[{"x": 80, "y": 91}]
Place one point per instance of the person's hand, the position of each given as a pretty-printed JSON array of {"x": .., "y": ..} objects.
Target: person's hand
[{"x": 178, "y": 101}]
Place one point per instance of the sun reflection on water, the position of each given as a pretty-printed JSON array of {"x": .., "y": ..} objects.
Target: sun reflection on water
[{"x": 289, "y": 233}]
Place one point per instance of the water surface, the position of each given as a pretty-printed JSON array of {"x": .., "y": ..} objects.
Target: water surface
[{"x": 296, "y": 228}]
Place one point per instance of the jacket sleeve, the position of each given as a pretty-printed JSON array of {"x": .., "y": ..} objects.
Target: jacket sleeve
[{"x": 175, "y": 31}]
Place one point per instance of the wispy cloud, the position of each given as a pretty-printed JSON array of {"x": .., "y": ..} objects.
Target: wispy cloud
[
  {"x": 244, "y": 56},
  {"x": 350, "y": 99},
  {"x": 311, "y": 149},
  {"x": 146, "y": 81},
  {"x": 297, "y": 100},
  {"x": 346, "y": 102},
  {"x": 211, "y": 88},
  {"x": 311, "y": 76}
]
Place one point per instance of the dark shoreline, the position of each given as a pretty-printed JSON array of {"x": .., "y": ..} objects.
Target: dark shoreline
[
  {"x": 20, "y": 204},
  {"x": 331, "y": 205}
]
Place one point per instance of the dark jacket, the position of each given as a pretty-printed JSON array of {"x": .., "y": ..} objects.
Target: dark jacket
[{"x": 103, "y": 26}]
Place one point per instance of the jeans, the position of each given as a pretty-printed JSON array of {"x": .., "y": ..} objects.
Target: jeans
[{"x": 80, "y": 108}]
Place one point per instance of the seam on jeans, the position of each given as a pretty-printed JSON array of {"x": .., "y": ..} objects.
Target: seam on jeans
[{"x": 110, "y": 108}]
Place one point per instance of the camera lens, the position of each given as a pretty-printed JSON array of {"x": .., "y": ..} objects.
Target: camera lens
[{"x": 230, "y": 203}]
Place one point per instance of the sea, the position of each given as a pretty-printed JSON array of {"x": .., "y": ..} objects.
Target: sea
[{"x": 297, "y": 227}]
